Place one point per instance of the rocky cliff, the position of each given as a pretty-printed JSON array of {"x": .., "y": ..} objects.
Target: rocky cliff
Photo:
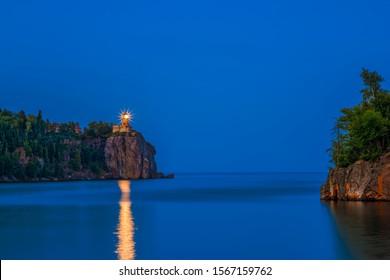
[
  {"x": 130, "y": 157},
  {"x": 360, "y": 181},
  {"x": 117, "y": 157},
  {"x": 34, "y": 150}
]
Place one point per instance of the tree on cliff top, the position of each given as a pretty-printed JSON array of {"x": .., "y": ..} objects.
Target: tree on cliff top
[
  {"x": 31, "y": 147},
  {"x": 98, "y": 129},
  {"x": 363, "y": 131},
  {"x": 372, "y": 81}
]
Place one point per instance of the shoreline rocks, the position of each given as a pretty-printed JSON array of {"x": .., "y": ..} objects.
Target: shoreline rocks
[{"x": 362, "y": 180}]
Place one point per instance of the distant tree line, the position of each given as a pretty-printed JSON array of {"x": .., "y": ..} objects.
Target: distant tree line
[
  {"x": 363, "y": 131},
  {"x": 33, "y": 147}
]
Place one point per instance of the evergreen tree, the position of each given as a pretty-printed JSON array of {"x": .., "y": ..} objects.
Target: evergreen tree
[
  {"x": 31, "y": 147},
  {"x": 76, "y": 163},
  {"x": 363, "y": 131}
]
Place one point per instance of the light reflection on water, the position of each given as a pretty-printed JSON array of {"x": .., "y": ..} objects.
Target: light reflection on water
[
  {"x": 365, "y": 227},
  {"x": 125, "y": 229},
  {"x": 274, "y": 216}
]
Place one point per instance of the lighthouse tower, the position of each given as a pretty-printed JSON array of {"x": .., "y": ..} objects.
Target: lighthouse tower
[{"x": 125, "y": 118}]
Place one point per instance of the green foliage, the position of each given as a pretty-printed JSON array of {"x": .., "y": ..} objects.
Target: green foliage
[
  {"x": 86, "y": 155},
  {"x": 32, "y": 169},
  {"x": 368, "y": 134},
  {"x": 9, "y": 164},
  {"x": 381, "y": 104},
  {"x": 59, "y": 170},
  {"x": 97, "y": 168},
  {"x": 76, "y": 162},
  {"x": 98, "y": 129},
  {"x": 31, "y": 147},
  {"x": 372, "y": 82},
  {"x": 363, "y": 131}
]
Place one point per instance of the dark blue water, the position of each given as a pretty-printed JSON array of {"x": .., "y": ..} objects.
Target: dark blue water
[{"x": 194, "y": 216}]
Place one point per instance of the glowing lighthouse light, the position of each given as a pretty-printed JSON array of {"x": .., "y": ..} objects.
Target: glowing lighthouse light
[{"x": 125, "y": 117}]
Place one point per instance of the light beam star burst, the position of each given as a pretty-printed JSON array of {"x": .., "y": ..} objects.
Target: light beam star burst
[{"x": 126, "y": 116}]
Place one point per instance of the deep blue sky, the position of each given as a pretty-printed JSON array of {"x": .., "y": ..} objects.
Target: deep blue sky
[{"x": 214, "y": 85}]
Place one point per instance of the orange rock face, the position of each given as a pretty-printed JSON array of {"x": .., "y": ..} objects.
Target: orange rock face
[{"x": 360, "y": 181}]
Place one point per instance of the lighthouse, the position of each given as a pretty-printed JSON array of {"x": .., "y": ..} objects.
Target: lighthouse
[{"x": 125, "y": 118}]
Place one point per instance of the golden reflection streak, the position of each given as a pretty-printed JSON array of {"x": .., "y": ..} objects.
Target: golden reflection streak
[{"x": 125, "y": 248}]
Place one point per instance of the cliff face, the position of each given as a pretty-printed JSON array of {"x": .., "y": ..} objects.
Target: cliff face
[
  {"x": 360, "y": 181},
  {"x": 130, "y": 157},
  {"x": 118, "y": 157}
]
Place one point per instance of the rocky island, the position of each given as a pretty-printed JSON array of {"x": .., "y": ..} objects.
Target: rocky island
[
  {"x": 32, "y": 149},
  {"x": 361, "y": 148}
]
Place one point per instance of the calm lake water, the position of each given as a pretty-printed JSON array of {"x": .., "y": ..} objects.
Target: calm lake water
[{"x": 194, "y": 216}]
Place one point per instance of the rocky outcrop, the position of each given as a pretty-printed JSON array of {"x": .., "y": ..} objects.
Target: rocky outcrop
[
  {"x": 130, "y": 157},
  {"x": 121, "y": 156},
  {"x": 360, "y": 181}
]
